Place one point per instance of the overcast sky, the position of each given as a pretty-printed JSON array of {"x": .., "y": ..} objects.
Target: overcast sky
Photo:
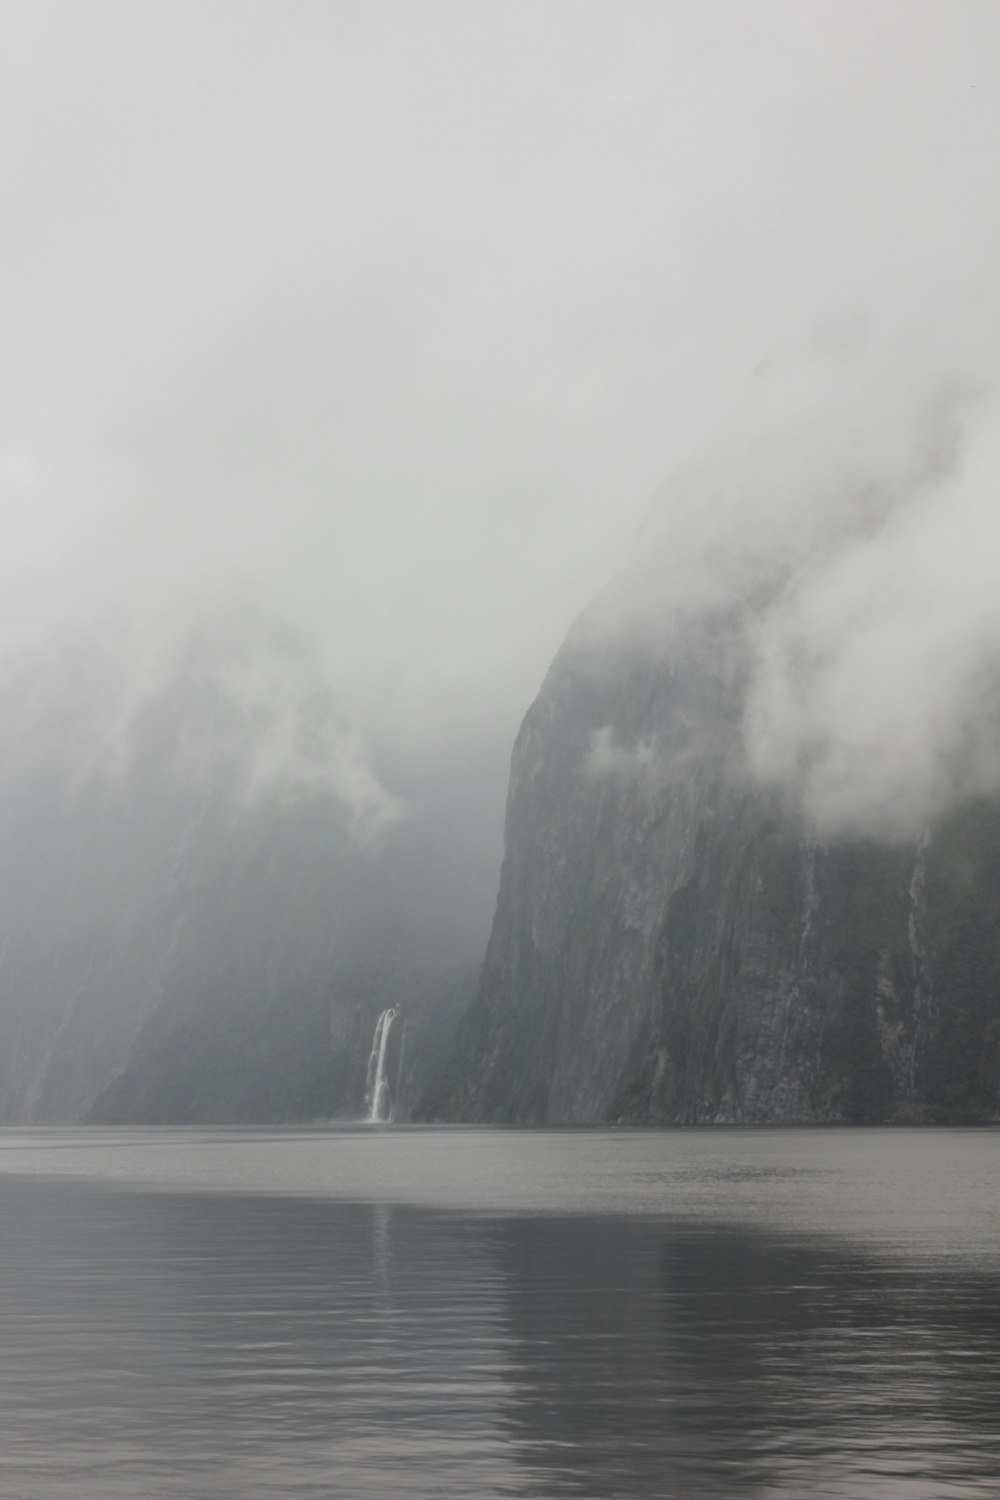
[{"x": 393, "y": 316}]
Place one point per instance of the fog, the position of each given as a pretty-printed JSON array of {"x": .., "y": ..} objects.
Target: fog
[
  {"x": 878, "y": 668},
  {"x": 845, "y": 518},
  {"x": 367, "y": 332}
]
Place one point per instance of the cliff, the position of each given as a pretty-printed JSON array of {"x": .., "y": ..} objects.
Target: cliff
[
  {"x": 192, "y": 924},
  {"x": 249, "y": 1055},
  {"x": 673, "y": 943}
]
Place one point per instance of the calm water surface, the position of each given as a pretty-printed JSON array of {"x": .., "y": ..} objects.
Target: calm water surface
[{"x": 375, "y": 1312}]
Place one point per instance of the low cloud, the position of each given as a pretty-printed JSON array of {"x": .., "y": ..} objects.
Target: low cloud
[
  {"x": 609, "y": 757},
  {"x": 841, "y": 536},
  {"x": 234, "y": 709},
  {"x": 389, "y": 318},
  {"x": 875, "y": 687}
]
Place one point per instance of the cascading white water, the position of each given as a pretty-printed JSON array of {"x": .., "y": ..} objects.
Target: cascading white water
[
  {"x": 923, "y": 987},
  {"x": 378, "y": 1097}
]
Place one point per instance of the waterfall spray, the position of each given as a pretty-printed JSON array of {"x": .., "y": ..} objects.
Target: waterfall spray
[{"x": 377, "y": 1094}]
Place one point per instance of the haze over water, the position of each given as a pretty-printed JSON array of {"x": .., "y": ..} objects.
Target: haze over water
[{"x": 412, "y": 1312}]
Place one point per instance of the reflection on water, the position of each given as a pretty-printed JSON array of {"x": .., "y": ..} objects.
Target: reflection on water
[
  {"x": 692, "y": 1362},
  {"x": 155, "y": 1344},
  {"x": 209, "y": 1344}
]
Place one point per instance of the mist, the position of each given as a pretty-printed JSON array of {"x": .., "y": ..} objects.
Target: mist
[
  {"x": 845, "y": 522},
  {"x": 377, "y": 326},
  {"x": 877, "y": 668},
  {"x": 499, "y": 748}
]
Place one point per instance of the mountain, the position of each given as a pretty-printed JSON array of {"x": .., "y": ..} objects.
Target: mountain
[
  {"x": 209, "y": 894},
  {"x": 206, "y": 894},
  {"x": 674, "y": 943},
  {"x": 250, "y": 1055}
]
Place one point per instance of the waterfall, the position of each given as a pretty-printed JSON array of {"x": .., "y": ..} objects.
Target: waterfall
[
  {"x": 810, "y": 908},
  {"x": 923, "y": 989},
  {"x": 377, "y": 1095}
]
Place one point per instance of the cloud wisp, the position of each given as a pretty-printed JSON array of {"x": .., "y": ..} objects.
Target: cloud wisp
[
  {"x": 845, "y": 527},
  {"x": 876, "y": 684}
]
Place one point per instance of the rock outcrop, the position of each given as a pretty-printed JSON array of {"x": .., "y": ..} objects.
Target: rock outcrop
[{"x": 674, "y": 944}]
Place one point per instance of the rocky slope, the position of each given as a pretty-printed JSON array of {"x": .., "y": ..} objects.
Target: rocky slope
[
  {"x": 249, "y": 1055},
  {"x": 673, "y": 944},
  {"x": 193, "y": 925}
]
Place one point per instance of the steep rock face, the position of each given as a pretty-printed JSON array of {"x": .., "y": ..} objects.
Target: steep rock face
[
  {"x": 672, "y": 945},
  {"x": 300, "y": 1053},
  {"x": 182, "y": 917}
]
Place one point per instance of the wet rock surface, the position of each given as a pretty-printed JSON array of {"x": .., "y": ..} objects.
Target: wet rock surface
[{"x": 672, "y": 943}]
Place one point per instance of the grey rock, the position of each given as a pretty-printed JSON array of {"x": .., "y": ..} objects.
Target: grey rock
[{"x": 672, "y": 944}]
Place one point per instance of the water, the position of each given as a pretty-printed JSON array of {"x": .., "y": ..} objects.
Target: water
[
  {"x": 413, "y": 1313},
  {"x": 377, "y": 1094}
]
